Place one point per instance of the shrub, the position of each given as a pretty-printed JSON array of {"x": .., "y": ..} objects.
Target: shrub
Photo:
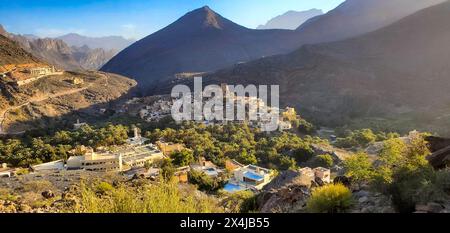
[
  {"x": 359, "y": 168},
  {"x": 103, "y": 188},
  {"x": 182, "y": 158},
  {"x": 167, "y": 169},
  {"x": 155, "y": 198},
  {"x": 332, "y": 198},
  {"x": 205, "y": 182},
  {"x": 38, "y": 186},
  {"x": 325, "y": 160}
]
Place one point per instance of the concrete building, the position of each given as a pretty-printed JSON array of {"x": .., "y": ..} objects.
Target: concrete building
[
  {"x": 50, "y": 166},
  {"x": 133, "y": 155},
  {"x": 137, "y": 139},
  {"x": 181, "y": 174},
  {"x": 38, "y": 71},
  {"x": 249, "y": 177},
  {"x": 206, "y": 167},
  {"x": 284, "y": 125},
  {"x": 103, "y": 163},
  {"x": 140, "y": 155},
  {"x": 79, "y": 124},
  {"x": 5, "y": 171}
]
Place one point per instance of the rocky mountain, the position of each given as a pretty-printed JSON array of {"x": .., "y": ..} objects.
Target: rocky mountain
[
  {"x": 60, "y": 54},
  {"x": 290, "y": 20},
  {"x": 92, "y": 59},
  {"x": 55, "y": 98},
  {"x": 399, "y": 73},
  {"x": 202, "y": 40},
  {"x": 356, "y": 17},
  {"x": 107, "y": 43},
  {"x": 12, "y": 53},
  {"x": 55, "y": 52}
]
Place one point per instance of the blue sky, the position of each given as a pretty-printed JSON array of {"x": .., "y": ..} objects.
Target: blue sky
[{"x": 134, "y": 18}]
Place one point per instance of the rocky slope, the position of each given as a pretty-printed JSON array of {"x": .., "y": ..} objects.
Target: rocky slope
[
  {"x": 12, "y": 53},
  {"x": 356, "y": 17},
  {"x": 57, "y": 101},
  {"x": 398, "y": 72},
  {"x": 290, "y": 20},
  {"x": 60, "y": 54},
  {"x": 59, "y": 97}
]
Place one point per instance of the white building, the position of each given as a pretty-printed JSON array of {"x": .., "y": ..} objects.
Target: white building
[
  {"x": 249, "y": 177},
  {"x": 133, "y": 155},
  {"x": 50, "y": 166}
]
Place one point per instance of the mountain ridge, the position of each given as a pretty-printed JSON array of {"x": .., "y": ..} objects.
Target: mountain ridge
[
  {"x": 201, "y": 40},
  {"x": 290, "y": 20},
  {"x": 397, "y": 72}
]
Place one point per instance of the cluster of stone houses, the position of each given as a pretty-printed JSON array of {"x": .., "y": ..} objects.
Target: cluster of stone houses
[
  {"x": 257, "y": 113},
  {"x": 155, "y": 112}
]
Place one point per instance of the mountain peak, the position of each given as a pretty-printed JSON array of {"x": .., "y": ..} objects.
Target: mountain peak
[{"x": 206, "y": 17}]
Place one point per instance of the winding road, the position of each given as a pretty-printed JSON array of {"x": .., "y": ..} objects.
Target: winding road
[{"x": 4, "y": 113}]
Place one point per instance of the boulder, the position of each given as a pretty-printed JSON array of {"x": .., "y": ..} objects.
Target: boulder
[
  {"x": 48, "y": 194},
  {"x": 343, "y": 180}
]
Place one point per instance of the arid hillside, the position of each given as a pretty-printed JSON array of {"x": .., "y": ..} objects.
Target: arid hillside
[
  {"x": 59, "y": 99},
  {"x": 398, "y": 72}
]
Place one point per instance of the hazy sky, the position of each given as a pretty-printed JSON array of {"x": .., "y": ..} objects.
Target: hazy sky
[{"x": 134, "y": 18}]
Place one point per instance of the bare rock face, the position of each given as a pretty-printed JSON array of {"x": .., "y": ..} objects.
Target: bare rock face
[
  {"x": 60, "y": 54},
  {"x": 288, "y": 192},
  {"x": 433, "y": 207},
  {"x": 291, "y": 199},
  {"x": 369, "y": 202}
]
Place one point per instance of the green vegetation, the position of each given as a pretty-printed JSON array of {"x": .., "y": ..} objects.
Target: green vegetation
[
  {"x": 332, "y": 198},
  {"x": 182, "y": 158},
  {"x": 151, "y": 198},
  {"x": 205, "y": 182},
  {"x": 167, "y": 169},
  {"x": 402, "y": 172},
  {"x": 362, "y": 138},
  {"x": 217, "y": 143},
  {"x": 359, "y": 168},
  {"x": 29, "y": 151},
  {"x": 103, "y": 188},
  {"x": 325, "y": 161}
]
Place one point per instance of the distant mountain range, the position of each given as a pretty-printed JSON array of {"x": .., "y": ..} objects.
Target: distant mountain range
[
  {"x": 400, "y": 72},
  {"x": 204, "y": 41},
  {"x": 60, "y": 54},
  {"x": 116, "y": 43},
  {"x": 290, "y": 20}
]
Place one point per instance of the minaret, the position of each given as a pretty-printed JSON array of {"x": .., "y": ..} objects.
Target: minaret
[{"x": 136, "y": 133}]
